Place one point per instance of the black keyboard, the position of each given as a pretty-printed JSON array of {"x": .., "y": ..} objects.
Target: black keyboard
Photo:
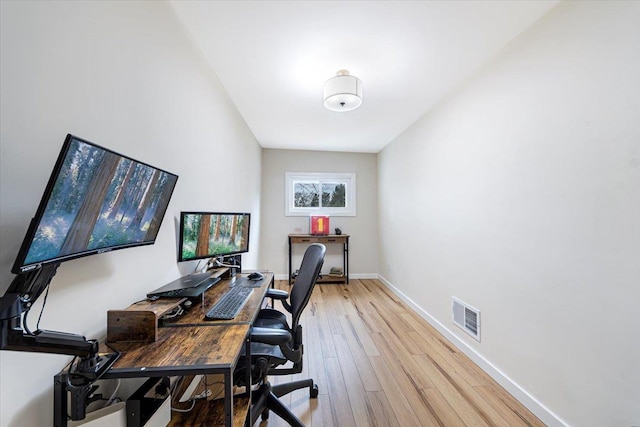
[{"x": 230, "y": 304}]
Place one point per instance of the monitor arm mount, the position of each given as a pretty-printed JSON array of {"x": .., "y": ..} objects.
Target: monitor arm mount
[
  {"x": 229, "y": 261},
  {"x": 221, "y": 263},
  {"x": 15, "y": 335}
]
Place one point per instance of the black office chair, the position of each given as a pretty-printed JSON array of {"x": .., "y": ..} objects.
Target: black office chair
[{"x": 274, "y": 343}]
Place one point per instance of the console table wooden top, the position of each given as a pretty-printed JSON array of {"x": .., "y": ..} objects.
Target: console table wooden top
[{"x": 317, "y": 238}]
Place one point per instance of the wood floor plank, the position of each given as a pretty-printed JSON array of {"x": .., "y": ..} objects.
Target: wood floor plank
[
  {"x": 512, "y": 418},
  {"x": 359, "y": 358},
  {"x": 510, "y": 404},
  {"x": 386, "y": 327},
  {"x": 401, "y": 363},
  {"x": 356, "y": 329},
  {"x": 357, "y": 322},
  {"x": 452, "y": 392},
  {"x": 360, "y": 296},
  {"x": 383, "y": 415},
  {"x": 444, "y": 414},
  {"x": 324, "y": 331},
  {"x": 341, "y": 412},
  {"x": 482, "y": 407},
  {"x": 362, "y": 414},
  {"x": 410, "y": 379},
  {"x": 399, "y": 404},
  {"x": 394, "y": 322},
  {"x": 454, "y": 366},
  {"x": 322, "y": 415},
  {"x": 382, "y": 293},
  {"x": 369, "y": 323},
  {"x": 331, "y": 308},
  {"x": 313, "y": 357}
]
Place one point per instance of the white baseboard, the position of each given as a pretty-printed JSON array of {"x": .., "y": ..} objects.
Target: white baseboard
[{"x": 541, "y": 411}]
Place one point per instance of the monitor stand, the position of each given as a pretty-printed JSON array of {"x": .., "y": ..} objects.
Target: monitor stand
[{"x": 190, "y": 286}]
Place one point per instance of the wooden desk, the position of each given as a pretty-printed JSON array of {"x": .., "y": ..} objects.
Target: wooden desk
[
  {"x": 189, "y": 345},
  {"x": 342, "y": 239}
]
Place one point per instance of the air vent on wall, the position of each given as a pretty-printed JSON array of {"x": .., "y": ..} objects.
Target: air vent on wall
[{"x": 467, "y": 318}]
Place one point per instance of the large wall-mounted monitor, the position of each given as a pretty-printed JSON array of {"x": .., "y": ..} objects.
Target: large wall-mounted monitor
[
  {"x": 212, "y": 234},
  {"x": 96, "y": 201}
]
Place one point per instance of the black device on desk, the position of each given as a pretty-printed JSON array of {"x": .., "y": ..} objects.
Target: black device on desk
[
  {"x": 230, "y": 304},
  {"x": 245, "y": 282},
  {"x": 189, "y": 286},
  {"x": 256, "y": 276}
]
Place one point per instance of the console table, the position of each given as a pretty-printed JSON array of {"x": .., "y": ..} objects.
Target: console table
[{"x": 342, "y": 239}]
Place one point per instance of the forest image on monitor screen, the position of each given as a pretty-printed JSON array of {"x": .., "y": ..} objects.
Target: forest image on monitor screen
[
  {"x": 100, "y": 200},
  {"x": 214, "y": 234}
]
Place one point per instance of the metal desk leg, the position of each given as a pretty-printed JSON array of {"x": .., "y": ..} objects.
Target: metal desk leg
[
  {"x": 247, "y": 421},
  {"x": 228, "y": 398},
  {"x": 60, "y": 400},
  {"x": 346, "y": 259},
  {"x": 289, "y": 261}
]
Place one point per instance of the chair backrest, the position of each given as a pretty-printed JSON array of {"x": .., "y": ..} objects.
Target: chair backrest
[{"x": 306, "y": 280}]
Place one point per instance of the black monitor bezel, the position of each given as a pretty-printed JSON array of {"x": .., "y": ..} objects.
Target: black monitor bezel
[
  {"x": 181, "y": 235},
  {"x": 19, "y": 266}
]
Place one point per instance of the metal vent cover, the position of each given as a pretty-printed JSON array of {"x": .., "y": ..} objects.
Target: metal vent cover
[{"x": 466, "y": 317}]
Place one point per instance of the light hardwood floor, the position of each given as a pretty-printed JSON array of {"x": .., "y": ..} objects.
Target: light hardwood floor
[{"x": 377, "y": 363}]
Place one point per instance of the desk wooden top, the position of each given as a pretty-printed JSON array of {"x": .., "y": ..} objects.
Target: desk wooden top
[
  {"x": 187, "y": 350},
  {"x": 189, "y": 344}
]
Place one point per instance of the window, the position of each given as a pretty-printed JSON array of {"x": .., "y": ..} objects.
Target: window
[{"x": 320, "y": 194}]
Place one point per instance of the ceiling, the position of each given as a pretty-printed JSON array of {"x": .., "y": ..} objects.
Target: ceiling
[{"x": 273, "y": 58}]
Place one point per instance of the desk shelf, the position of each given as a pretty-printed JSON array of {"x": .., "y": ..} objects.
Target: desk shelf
[
  {"x": 139, "y": 321},
  {"x": 211, "y": 413}
]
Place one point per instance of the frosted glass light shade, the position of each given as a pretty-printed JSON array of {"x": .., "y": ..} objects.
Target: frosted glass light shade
[{"x": 342, "y": 92}]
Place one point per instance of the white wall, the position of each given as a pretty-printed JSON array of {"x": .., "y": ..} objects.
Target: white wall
[
  {"x": 127, "y": 76},
  {"x": 520, "y": 195},
  {"x": 363, "y": 240}
]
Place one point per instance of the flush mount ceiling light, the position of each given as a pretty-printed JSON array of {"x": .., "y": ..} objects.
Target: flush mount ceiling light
[{"x": 342, "y": 92}]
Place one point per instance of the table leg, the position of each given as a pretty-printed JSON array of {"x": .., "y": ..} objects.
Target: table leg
[
  {"x": 60, "y": 400},
  {"x": 289, "y": 261},
  {"x": 228, "y": 398},
  {"x": 248, "y": 419},
  {"x": 346, "y": 259}
]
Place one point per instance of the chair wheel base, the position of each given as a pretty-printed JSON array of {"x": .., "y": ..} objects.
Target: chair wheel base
[{"x": 313, "y": 391}]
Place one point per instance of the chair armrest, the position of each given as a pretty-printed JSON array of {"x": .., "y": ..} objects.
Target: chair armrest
[
  {"x": 270, "y": 336},
  {"x": 278, "y": 294}
]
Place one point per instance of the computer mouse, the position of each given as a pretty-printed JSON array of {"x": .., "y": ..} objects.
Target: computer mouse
[{"x": 256, "y": 276}]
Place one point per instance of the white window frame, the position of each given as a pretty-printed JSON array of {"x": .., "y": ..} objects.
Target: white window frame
[{"x": 348, "y": 179}]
